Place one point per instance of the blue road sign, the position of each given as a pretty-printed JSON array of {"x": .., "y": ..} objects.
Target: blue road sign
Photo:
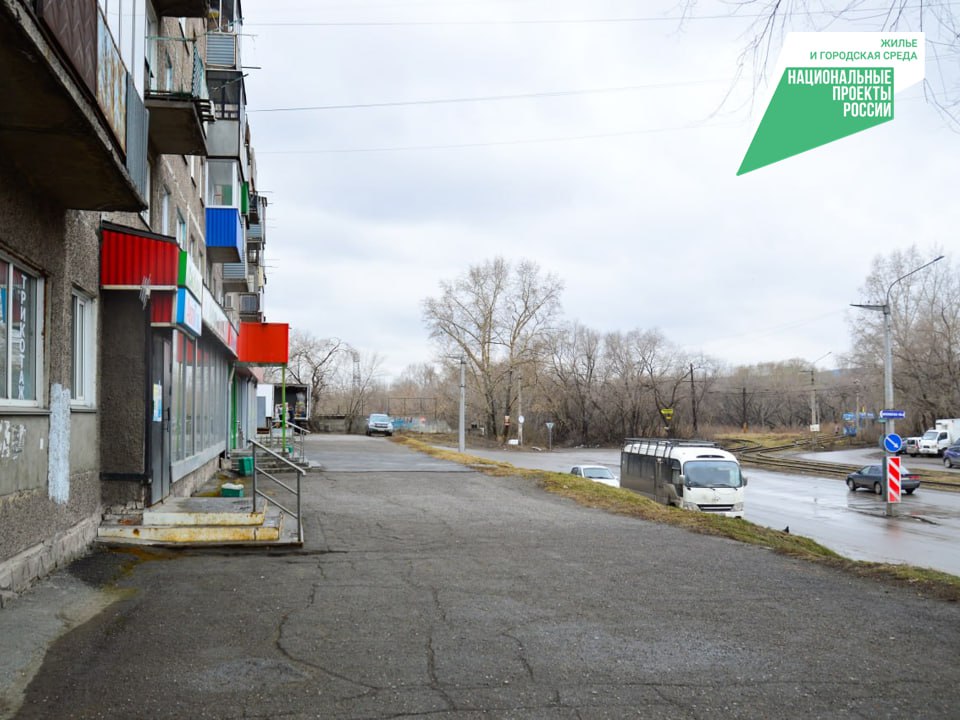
[
  {"x": 893, "y": 414},
  {"x": 892, "y": 443}
]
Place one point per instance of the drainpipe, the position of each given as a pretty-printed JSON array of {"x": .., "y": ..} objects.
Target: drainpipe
[
  {"x": 230, "y": 405},
  {"x": 148, "y": 397}
]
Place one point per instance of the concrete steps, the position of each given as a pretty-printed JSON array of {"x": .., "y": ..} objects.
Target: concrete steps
[{"x": 200, "y": 522}]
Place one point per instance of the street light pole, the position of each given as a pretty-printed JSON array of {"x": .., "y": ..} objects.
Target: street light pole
[
  {"x": 888, "y": 423},
  {"x": 461, "y": 439}
]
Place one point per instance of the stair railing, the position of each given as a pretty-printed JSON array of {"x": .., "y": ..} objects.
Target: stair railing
[
  {"x": 256, "y": 492},
  {"x": 299, "y": 433},
  {"x": 294, "y": 436}
]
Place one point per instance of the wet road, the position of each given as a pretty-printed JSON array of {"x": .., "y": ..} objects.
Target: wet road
[{"x": 925, "y": 531}]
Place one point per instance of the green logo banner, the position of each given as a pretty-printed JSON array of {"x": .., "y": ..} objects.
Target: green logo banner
[{"x": 813, "y": 106}]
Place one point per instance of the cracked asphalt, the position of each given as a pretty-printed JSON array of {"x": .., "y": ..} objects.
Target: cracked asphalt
[{"x": 428, "y": 590}]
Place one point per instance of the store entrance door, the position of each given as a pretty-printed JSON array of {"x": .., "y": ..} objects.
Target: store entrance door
[{"x": 161, "y": 396}]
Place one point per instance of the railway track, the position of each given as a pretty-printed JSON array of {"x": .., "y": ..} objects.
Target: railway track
[{"x": 770, "y": 458}]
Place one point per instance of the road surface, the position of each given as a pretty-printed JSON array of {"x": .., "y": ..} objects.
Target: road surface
[
  {"x": 925, "y": 533},
  {"x": 427, "y": 589}
]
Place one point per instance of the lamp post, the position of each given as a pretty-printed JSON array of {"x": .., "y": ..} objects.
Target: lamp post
[
  {"x": 461, "y": 440},
  {"x": 888, "y": 423},
  {"x": 461, "y": 424}
]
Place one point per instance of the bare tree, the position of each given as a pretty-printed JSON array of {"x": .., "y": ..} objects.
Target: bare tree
[
  {"x": 770, "y": 20},
  {"x": 312, "y": 362},
  {"x": 498, "y": 316},
  {"x": 925, "y": 333},
  {"x": 357, "y": 384},
  {"x": 573, "y": 371}
]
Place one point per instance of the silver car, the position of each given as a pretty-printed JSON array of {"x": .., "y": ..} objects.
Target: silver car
[{"x": 379, "y": 424}]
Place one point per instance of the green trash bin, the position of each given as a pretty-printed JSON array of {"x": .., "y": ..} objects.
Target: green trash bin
[{"x": 246, "y": 466}]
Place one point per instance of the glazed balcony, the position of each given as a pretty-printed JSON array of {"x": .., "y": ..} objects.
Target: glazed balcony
[
  {"x": 226, "y": 138},
  {"x": 177, "y": 98},
  {"x": 73, "y": 121},
  {"x": 250, "y": 307},
  {"x": 236, "y": 277}
]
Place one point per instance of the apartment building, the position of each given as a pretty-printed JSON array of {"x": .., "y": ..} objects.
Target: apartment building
[{"x": 131, "y": 237}]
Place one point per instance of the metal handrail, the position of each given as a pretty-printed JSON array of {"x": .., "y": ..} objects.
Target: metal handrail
[
  {"x": 255, "y": 492},
  {"x": 298, "y": 448}
]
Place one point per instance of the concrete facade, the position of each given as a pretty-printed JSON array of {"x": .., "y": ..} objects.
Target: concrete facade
[
  {"x": 66, "y": 168},
  {"x": 42, "y": 528}
]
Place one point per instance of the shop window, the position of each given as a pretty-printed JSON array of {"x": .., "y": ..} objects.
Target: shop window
[
  {"x": 21, "y": 297},
  {"x": 84, "y": 349}
]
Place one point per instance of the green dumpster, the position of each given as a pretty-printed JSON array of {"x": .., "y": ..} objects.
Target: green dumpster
[{"x": 246, "y": 466}]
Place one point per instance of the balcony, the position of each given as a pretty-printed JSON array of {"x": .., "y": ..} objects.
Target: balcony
[
  {"x": 225, "y": 138},
  {"x": 250, "y": 307},
  {"x": 177, "y": 98},
  {"x": 254, "y": 215},
  {"x": 254, "y": 233},
  {"x": 69, "y": 125},
  {"x": 236, "y": 277},
  {"x": 225, "y": 243},
  {"x": 258, "y": 278},
  {"x": 182, "y": 8}
]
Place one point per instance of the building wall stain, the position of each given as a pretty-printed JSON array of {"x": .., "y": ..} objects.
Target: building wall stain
[{"x": 13, "y": 439}]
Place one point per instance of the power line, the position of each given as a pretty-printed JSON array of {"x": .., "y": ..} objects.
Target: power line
[
  {"x": 866, "y": 14},
  {"x": 488, "y": 98},
  {"x": 500, "y": 143}
]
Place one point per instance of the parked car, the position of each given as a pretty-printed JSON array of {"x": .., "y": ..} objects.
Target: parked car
[
  {"x": 379, "y": 424},
  {"x": 871, "y": 477},
  {"x": 951, "y": 456},
  {"x": 911, "y": 446},
  {"x": 595, "y": 472}
]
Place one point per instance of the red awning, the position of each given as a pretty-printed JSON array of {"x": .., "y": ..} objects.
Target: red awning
[
  {"x": 128, "y": 257},
  {"x": 264, "y": 343}
]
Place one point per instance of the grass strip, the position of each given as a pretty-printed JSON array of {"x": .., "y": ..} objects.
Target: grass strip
[{"x": 929, "y": 583}]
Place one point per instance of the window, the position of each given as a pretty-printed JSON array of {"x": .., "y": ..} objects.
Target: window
[
  {"x": 147, "y": 212},
  {"x": 164, "y": 211},
  {"x": 84, "y": 349},
  {"x": 128, "y": 26},
  {"x": 224, "y": 183},
  {"x": 181, "y": 231},
  {"x": 21, "y": 298}
]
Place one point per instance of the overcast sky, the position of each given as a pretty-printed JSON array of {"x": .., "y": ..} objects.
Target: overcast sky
[{"x": 629, "y": 195}]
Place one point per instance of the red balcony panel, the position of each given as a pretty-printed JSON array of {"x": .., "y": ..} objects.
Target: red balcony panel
[{"x": 128, "y": 256}]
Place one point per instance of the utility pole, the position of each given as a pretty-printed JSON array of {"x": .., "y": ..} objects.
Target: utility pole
[
  {"x": 814, "y": 415},
  {"x": 693, "y": 402},
  {"x": 888, "y": 425},
  {"x": 520, "y": 410},
  {"x": 743, "y": 408},
  {"x": 461, "y": 439}
]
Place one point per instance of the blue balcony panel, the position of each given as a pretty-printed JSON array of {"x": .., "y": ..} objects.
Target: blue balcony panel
[{"x": 225, "y": 240}]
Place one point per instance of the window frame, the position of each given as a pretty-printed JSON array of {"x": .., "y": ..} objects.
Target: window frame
[
  {"x": 38, "y": 323},
  {"x": 83, "y": 308}
]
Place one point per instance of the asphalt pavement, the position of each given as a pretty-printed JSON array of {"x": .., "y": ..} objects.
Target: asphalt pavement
[{"x": 426, "y": 589}]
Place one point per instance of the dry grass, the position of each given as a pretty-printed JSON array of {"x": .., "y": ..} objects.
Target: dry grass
[{"x": 625, "y": 502}]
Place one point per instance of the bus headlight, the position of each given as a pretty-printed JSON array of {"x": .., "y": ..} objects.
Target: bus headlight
[{"x": 738, "y": 507}]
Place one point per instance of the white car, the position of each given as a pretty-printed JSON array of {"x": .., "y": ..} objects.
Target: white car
[
  {"x": 598, "y": 473},
  {"x": 379, "y": 424}
]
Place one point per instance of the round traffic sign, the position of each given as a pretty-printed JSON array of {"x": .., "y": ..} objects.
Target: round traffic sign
[{"x": 892, "y": 443}]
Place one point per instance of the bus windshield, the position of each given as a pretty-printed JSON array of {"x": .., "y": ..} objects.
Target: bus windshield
[{"x": 712, "y": 474}]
